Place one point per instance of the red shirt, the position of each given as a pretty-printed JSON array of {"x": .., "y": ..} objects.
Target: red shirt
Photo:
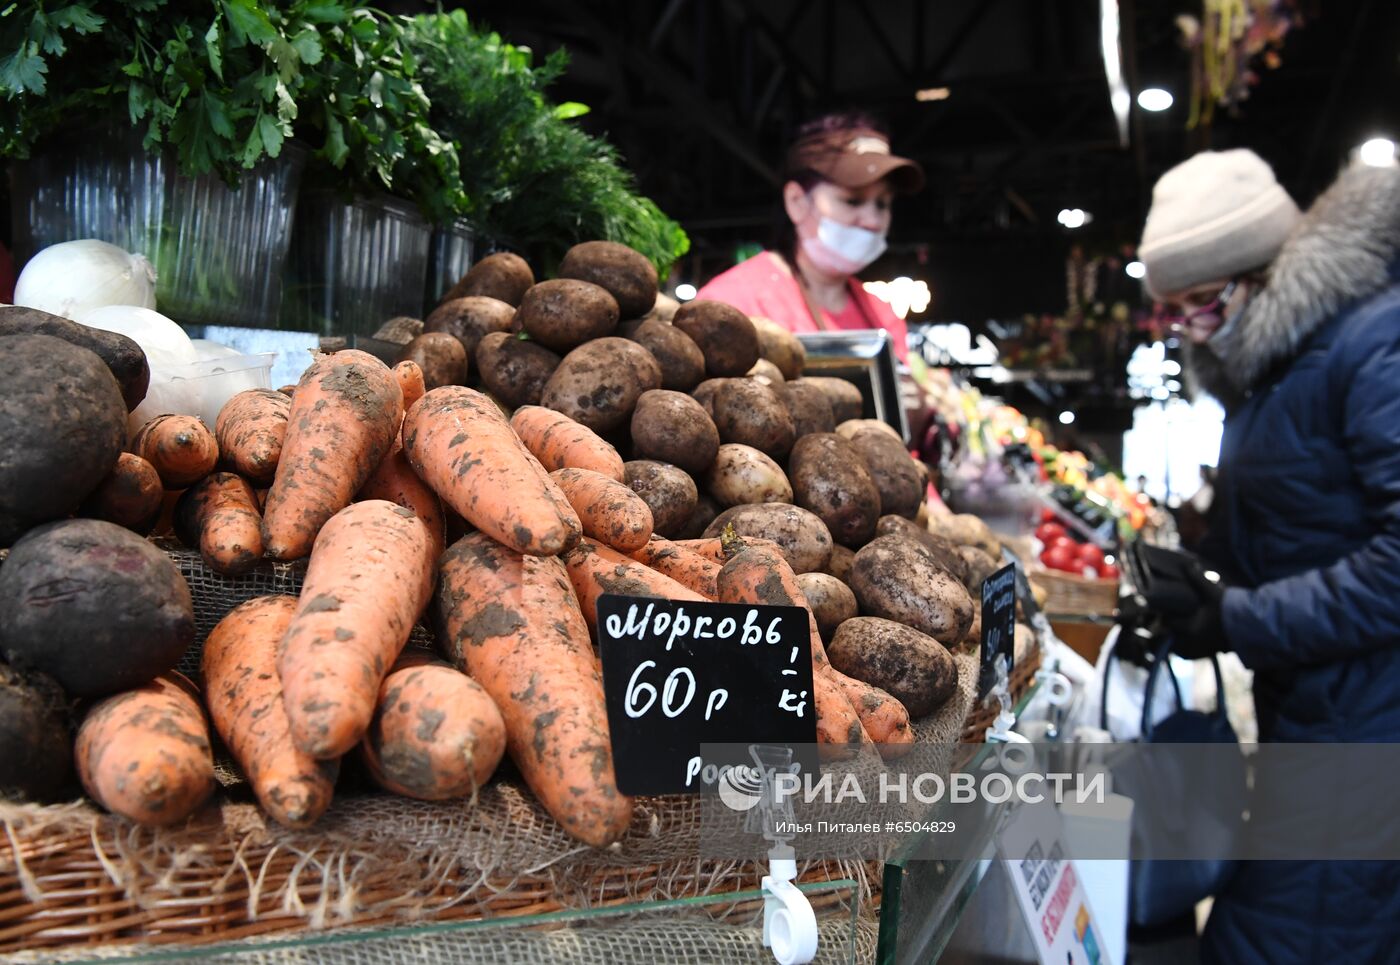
[{"x": 764, "y": 286}]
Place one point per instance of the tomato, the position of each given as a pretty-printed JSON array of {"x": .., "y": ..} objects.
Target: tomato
[
  {"x": 1060, "y": 558},
  {"x": 1108, "y": 572},
  {"x": 1091, "y": 555},
  {"x": 1048, "y": 516},
  {"x": 1047, "y": 533},
  {"x": 1068, "y": 542}
]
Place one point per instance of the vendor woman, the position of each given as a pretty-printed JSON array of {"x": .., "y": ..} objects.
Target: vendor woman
[{"x": 839, "y": 182}]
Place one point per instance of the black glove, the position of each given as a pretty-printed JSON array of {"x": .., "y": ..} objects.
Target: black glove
[{"x": 1188, "y": 601}]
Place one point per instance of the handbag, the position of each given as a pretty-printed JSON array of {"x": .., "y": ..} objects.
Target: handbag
[{"x": 1164, "y": 889}]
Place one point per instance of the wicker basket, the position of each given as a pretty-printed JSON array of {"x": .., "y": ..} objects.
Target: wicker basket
[
  {"x": 984, "y": 714},
  {"x": 1070, "y": 595}
]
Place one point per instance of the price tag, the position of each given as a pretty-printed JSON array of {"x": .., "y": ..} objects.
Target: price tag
[
  {"x": 678, "y": 674},
  {"x": 998, "y": 625}
]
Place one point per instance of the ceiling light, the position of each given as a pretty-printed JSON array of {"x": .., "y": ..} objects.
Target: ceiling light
[
  {"x": 1378, "y": 152},
  {"x": 1073, "y": 217},
  {"x": 1135, "y": 269},
  {"x": 1066, "y": 418},
  {"x": 685, "y": 292},
  {"x": 1154, "y": 99},
  {"x": 932, "y": 94}
]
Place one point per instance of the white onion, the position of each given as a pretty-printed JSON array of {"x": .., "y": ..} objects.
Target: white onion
[
  {"x": 74, "y": 278},
  {"x": 164, "y": 342}
]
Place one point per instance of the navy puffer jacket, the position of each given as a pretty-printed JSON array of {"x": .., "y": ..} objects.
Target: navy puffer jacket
[{"x": 1308, "y": 534}]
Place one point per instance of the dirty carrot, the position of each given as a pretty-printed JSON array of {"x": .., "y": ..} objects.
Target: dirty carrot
[
  {"x": 559, "y": 442},
  {"x": 130, "y": 496},
  {"x": 180, "y": 447},
  {"x": 410, "y": 376},
  {"x": 219, "y": 516},
  {"x": 608, "y": 511},
  {"x": 683, "y": 565},
  {"x": 595, "y": 569},
  {"x": 884, "y": 718},
  {"x": 250, "y": 429},
  {"x": 395, "y": 480}
]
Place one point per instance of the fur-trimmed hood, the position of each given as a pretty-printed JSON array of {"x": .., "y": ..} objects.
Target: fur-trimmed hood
[{"x": 1344, "y": 250}]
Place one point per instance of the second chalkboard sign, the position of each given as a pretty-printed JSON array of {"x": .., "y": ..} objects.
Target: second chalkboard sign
[{"x": 998, "y": 626}]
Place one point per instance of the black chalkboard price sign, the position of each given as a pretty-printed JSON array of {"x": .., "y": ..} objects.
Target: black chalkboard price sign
[
  {"x": 998, "y": 625},
  {"x": 679, "y": 674}
]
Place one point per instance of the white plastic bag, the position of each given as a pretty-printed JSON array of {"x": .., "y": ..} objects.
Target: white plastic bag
[{"x": 1124, "y": 686}]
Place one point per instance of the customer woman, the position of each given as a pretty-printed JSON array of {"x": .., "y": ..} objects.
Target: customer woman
[
  {"x": 1293, "y": 322},
  {"x": 840, "y": 180}
]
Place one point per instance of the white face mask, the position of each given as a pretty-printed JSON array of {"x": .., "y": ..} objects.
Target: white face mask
[{"x": 843, "y": 249}]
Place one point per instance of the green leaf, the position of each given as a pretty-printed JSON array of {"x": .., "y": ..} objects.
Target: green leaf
[
  {"x": 250, "y": 21},
  {"x": 23, "y": 71},
  {"x": 217, "y": 110},
  {"x": 570, "y": 109},
  {"x": 138, "y": 101},
  {"x": 308, "y": 47},
  {"x": 78, "y": 18},
  {"x": 253, "y": 147},
  {"x": 211, "y": 46},
  {"x": 271, "y": 135},
  {"x": 325, "y": 13},
  {"x": 336, "y": 149}
]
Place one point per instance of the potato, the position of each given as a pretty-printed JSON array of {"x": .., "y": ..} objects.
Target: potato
[
  {"x": 705, "y": 393},
  {"x": 840, "y": 564},
  {"x": 912, "y": 667},
  {"x": 973, "y": 639},
  {"x": 742, "y": 475},
  {"x": 947, "y": 555},
  {"x": 899, "y": 580},
  {"x": 471, "y": 319},
  {"x": 766, "y": 372},
  {"x": 781, "y": 347},
  {"x": 400, "y": 330},
  {"x": 750, "y": 413},
  {"x": 625, "y": 272},
  {"x": 682, "y": 365},
  {"x": 895, "y": 473},
  {"x": 845, "y": 398},
  {"x": 965, "y": 529},
  {"x": 122, "y": 356},
  {"x": 829, "y": 478},
  {"x": 725, "y": 335},
  {"x": 672, "y": 427},
  {"x": 94, "y": 606},
  {"x": 441, "y": 357},
  {"x": 665, "y": 308},
  {"x": 503, "y": 276},
  {"x": 670, "y": 492},
  {"x": 849, "y": 428},
  {"x": 830, "y": 601},
  {"x": 808, "y": 407},
  {"x": 36, "y": 745},
  {"x": 62, "y": 427},
  {"x": 704, "y": 513},
  {"x": 514, "y": 370},
  {"x": 598, "y": 384},
  {"x": 565, "y": 312},
  {"x": 977, "y": 566},
  {"x": 803, "y": 537}
]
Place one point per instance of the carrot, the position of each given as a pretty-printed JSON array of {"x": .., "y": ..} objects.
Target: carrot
[
  {"x": 396, "y": 481},
  {"x": 459, "y": 444},
  {"x": 344, "y": 417},
  {"x": 369, "y": 578},
  {"x": 410, "y": 376},
  {"x": 559, "y": 442},
  {"x": 685, "y": 566},
  {"x": 219, "y": 515},
  {"x": 712, "y": 548},
  {"x": 287, "y": 390},
  {"x": 250, "y": 429},
  {"x": 608, "y": 511},
  {"x": 144, "y": 754},
  {"x": 594, "y": 569},
  {"x": 761, "y": 574},
  {"x": 130, "y": 496},
  {"x": 239, "y": 665},
  {"x": 512, "y": 622},
  {"x": 436, "y": 733},
  {"x": 882, "y": 715},
  {"x": 180, "y": 447}
]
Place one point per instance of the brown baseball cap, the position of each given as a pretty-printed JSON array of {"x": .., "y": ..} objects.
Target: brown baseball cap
[{"x": 854, "y": 158}]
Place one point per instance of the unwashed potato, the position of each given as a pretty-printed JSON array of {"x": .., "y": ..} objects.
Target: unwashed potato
[
  {"x": 965, "y": 529},
  {"x": 36, "y": 747},
  {"x": 742, "y": 474},
  {"x": 401, "y": 329},
  {"x": 750, "y": 413},
  {"x": 672, "y": 427},
  {"x": 849, "y": 428},
  {"x": 830, "y": 601},
  {"x": 598, "y": 383},
  {"x": 682, "y": 365},
  {"x": 514, "y": 370},
  {"x": 973, "y": 640},
  {"x": 839, "y": 565},
  {"x": 705, "y": 393},
  {"x": 471, "y": 319},
  {"x": 503, "y": 275},
  {"x": 565, "y": 312},
  {"x": 911, "y": 666},
  {"x": 441, "y": 357},
  {"x": 122, "y": 356},
  {"x": 899, "y": 580},
  {"x": 670, "y": 492},
  {"x": 781, "y": 347},
  {"x": 977, "y": 566},
  {"x": 808, "y": 406},
  {"x": 725, "y": 335},
  {"x": 829, "y": 477},
  {"x": 803, "y": 537},
  {"x": 948, "y": 556},
  {"x": 704, "y": 513},
  {"x": 766, "y": 372},
  {"x": 895, "y": 472},
  {"x": 846, "y": 401},
  {"x": 626, "y": 273}
]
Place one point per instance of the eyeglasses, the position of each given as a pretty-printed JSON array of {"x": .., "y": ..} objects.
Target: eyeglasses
[{"x": 1178, "y": 323}]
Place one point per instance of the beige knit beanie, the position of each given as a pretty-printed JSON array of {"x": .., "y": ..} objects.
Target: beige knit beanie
[{"x": 1214, "y": 216}]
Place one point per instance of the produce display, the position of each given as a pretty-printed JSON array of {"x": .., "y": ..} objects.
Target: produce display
[{"x": 540, "y": 444}]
